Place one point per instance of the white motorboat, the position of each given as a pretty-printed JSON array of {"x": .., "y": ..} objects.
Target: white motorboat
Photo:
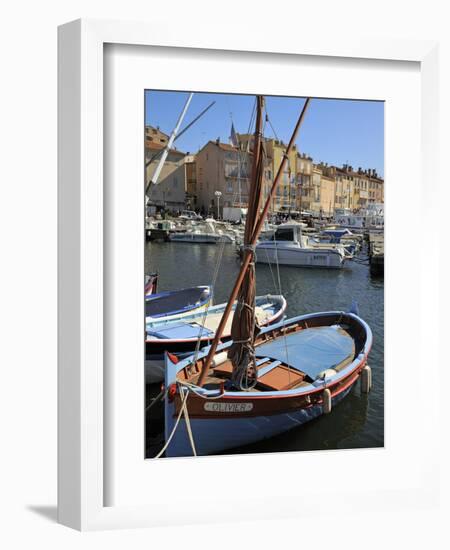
[
  {"x": 203, "y": 233},
  {"x": 289, "y": 247}
]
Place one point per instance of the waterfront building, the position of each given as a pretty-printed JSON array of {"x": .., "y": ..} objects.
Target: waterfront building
[
  {"x": 376, "y": 194},
  {"x": 286, "y": 193},
  {"x": 345, "y": 189},
  {"x": 223, "y": 168},
  {"x": 303, "y": 181},
  {"x": 287, "y": 196},
  {"x": 155, "y": 136},
  {"x": 219, "y": 176},
  {"x": 171, "y": 189},
  {"x": 319, "y": 197},
  {"x": 327, "y": 202},
  {"x": 363, "y": 187},
  {"x": 315, "y": 195},
  {"x": 191, "y": 182}
]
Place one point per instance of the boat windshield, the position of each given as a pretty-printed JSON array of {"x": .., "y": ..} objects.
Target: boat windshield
[{"x": 285, "y": 234}]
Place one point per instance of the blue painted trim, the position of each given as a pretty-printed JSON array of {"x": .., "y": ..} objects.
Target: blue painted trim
[{"x": 296, "y": 391}]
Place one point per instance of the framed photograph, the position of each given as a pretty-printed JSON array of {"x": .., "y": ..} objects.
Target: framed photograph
[{"x": 228, "y": 327}]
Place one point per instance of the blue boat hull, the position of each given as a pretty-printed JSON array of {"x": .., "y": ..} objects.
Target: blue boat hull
[
  {"x": 213, "y": 436},
  {"x": 221, "y": 417}
]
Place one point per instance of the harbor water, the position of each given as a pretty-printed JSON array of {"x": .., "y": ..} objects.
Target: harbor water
[{"x": 358, "y": 421}]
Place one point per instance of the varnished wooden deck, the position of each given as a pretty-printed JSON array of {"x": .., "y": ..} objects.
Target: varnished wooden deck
[{"x": 272, "y": 375}]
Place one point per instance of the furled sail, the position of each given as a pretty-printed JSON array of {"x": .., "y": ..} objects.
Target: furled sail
[{"x": 245, "y": 327}]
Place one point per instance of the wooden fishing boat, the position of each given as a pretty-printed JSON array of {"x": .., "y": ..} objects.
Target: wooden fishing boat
[
  {"x": 181, "y": 335},
  {"x": 172, "y": 305},
  {"x": 264, "y": 381},
  {"x": 305, "y": 367}
]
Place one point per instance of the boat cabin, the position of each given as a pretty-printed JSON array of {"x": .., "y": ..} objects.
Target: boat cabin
[{"x": 288, "y": 232}]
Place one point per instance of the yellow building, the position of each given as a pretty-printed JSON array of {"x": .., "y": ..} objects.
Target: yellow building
[
  {"x": 286, "y": 193},
  {"x": 376, "y": 188},
  {"x": 361, "y": 187},
  {"x": 303, "y": 181},
  {"x": 345, "y": 190},
  {"x": 286, "y": 196},
  {"x": 322, "y": 190},
  {"x": 193, "y": 181}
]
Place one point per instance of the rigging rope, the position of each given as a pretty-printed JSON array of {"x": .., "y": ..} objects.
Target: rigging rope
[
  {"x": 283, "y": 321},
  {"x": 277, "y": 264},
  {"x": 222, "y": 243},
  {"x": 183, "y": 410}
]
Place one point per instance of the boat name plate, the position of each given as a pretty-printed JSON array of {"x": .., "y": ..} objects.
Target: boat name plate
[{"x": 227, "y": 407}]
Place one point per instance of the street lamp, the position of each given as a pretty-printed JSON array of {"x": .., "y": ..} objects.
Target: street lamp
[{"x": 218, "y": 194}]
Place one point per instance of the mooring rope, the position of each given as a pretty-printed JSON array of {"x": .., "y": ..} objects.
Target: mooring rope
[{"x": 183, "y": 411}]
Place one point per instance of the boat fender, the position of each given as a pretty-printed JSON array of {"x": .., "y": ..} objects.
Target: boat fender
[
  {"x": 366, "y": 379},
  {"x": 326, "y": 401},
  {"x": 219, "y": 358},
  {"x": 320, "y": 378}
]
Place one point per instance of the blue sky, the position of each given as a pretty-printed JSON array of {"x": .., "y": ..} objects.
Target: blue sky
[{"x": 334, "y": 131}]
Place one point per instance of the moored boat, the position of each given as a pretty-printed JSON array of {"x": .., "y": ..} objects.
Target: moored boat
[
  {"x": 200, "y": 237},
  {"x": 206, "y": 232},
  {"x": 175, "y": 304},
  {"x": 305, "y": 367},
  {"x": 288, "y": 246},
  {"x": 182, "y": 334},
  {"x": 263, "y": 382}
]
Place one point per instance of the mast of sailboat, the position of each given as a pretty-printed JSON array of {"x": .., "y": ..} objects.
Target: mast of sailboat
[
  {"x": 248, "y": 253},
  {"x": 185, "y": 129},
  {"x": 173, "y": 135}
]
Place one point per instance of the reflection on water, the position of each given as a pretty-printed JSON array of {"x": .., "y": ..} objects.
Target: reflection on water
[{"x": 358, "y": 421}]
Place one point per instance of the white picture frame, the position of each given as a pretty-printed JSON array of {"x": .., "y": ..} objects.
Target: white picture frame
[{"x": 85, "y": 494}]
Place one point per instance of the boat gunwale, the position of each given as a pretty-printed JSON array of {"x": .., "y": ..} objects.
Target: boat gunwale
[
  {"x": 160, "y": 316},
  {"x": 350, "y": 380},
  {"x": 279, "y": 299},
  {"x": 263, "y": 246},
  {"x": 312, "y": 388}
]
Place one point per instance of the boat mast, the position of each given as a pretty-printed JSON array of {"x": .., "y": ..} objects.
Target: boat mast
[
  {"x": 185, "y": 129},
  {"x": 254, "y": 232},
  {"x": 172, "y": 137},
  {"x": 244, "y": 325}
]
